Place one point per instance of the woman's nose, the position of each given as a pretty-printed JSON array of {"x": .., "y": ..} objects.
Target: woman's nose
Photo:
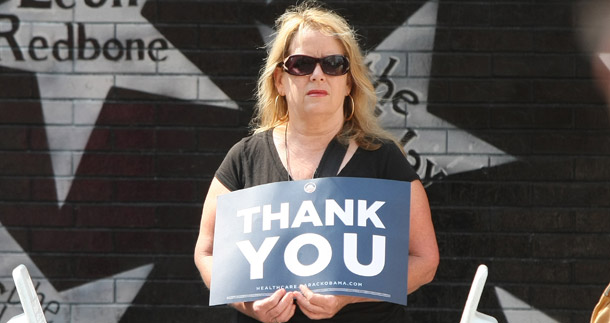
[{"x": 318, "y": 74}]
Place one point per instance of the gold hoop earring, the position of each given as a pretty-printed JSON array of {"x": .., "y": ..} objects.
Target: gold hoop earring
[
  {"x": 353, "y": 109},
  {"x": 285, "y": 116}
]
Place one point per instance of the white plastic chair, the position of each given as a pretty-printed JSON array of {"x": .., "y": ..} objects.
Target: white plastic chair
[
  {"x": 32, "y": 311},
  {"x": 470, "y": 314}
]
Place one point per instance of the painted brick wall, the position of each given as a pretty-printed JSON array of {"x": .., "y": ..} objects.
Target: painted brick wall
[{"x": 106, "y": 153}]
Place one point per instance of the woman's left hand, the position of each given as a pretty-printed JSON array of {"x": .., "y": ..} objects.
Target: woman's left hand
[{"x": 318, "y": 306}]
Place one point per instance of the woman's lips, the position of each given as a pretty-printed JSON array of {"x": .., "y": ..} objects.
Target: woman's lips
[{"x": 317, "y": 93}]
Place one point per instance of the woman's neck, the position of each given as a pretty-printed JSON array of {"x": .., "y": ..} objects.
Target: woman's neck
[
  {"x": 301, "y": 148},
  {"x": 312, "y": 136}
]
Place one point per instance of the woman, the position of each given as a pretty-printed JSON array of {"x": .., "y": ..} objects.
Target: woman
[{"x": 313, "y": 94}]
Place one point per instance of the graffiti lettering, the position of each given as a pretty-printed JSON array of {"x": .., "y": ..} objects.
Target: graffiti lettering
[
  {"x": 400, "y": 99},
  {"x": 50, "y": 308},
  {"x": 425, "y": 167},
  {"x": 35, "y": 4},
  {"x": 10, "y": 35},
  {"x": 47, "y": 4},
  {"x": 403, "y": 96},
  {"x": 113, "y": 49},
  {"x": 2, "y": 291},
  {"x": 385, "y": 80}
]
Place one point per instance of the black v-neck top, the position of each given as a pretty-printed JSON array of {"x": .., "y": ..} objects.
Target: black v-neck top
[{"x": 255, "y": 161}]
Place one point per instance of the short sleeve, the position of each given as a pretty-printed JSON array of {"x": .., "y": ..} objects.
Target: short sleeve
[
  {"x": 229, "y": 171},
  {"x": 397, "y": 165}
]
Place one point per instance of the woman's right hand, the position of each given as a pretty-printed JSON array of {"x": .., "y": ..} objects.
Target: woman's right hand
[{"x": 277, "y": 308}]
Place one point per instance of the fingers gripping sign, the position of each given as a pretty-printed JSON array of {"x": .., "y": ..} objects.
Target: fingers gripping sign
[
  {"x": 277, "y": 308},
  {"x": 318, "y": 306}
]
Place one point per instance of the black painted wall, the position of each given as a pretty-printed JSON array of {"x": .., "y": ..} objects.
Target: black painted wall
[{"x": 105, "y": 161}]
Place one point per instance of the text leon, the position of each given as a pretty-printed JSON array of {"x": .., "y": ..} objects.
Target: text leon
[{"x": 362, "y": 213}]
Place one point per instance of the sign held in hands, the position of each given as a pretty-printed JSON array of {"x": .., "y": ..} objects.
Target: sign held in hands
[{"x": 336, "y": 235}]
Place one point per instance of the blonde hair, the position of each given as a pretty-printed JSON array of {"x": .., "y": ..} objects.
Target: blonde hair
[{"x": 272, "y": 111}]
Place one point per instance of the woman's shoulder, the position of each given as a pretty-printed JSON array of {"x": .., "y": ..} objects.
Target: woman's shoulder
[
  {"x": 255, "y": 138},
  {"x": 383, "y": 146},
  {"x": 388, "y": 159},
  {"x": 239, "y": 161},
  {"x": 252, "y": 142}
]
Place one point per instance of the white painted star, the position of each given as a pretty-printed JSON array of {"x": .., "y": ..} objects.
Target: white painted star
[
  {"x": 516, "y": 310},
  {"x": 105, "y": 299},
  {"x": 403, "y": 62},
  {"x": 72, "y": 91},
  {"x": 605, "y": 58}
]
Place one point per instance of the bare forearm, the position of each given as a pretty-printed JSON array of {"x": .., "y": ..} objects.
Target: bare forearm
[
  {"x": 204, "y": 264},
  {"x": 423, "y": 249},
  {"x": 421, "y": 271}
]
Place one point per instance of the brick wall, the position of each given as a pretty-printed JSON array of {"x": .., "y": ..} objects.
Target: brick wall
[{"x": 106, "y": 153}]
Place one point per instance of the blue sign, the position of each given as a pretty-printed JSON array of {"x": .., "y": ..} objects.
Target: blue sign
[{"x": 336, "y": 235}]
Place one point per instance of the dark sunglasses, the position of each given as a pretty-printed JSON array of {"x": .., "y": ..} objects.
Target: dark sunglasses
[{"x": 304, "y": 65}]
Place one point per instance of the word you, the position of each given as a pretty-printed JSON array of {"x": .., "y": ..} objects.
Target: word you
[{"x": 307, "y": 213}]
